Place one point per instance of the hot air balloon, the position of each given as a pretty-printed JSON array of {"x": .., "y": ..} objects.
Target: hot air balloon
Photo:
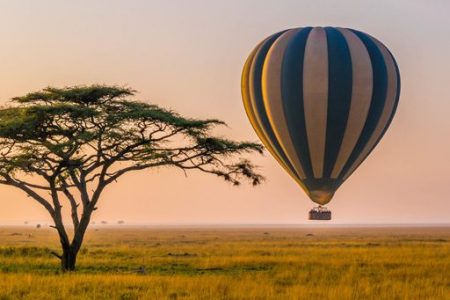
[{"x": 320, "y": 99}]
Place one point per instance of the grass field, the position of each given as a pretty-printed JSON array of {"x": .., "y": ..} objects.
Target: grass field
[{"x": 270, "y": 263}]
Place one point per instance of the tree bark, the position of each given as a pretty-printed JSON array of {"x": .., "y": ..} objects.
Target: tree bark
[
  {"x": 70, "y": 251},
  {"x": 68, "y": 259}
]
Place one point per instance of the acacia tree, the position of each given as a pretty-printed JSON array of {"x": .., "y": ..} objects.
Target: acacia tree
[{"x": 63, "y": 146}]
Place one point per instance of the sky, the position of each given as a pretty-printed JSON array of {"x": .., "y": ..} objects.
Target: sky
[{"x": 188, "y": 56}]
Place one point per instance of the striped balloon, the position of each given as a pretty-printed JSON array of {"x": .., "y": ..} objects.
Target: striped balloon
[{"x": 320, "y": 99}]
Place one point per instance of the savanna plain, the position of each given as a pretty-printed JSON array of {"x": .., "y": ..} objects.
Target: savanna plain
[{"x": 230, "y": 263}]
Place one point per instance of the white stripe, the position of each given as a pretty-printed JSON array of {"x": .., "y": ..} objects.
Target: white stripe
[
  {"x": 252, "y": 111},
  {"x": 315, "y": 96},
  {"x": 272, "y": 96},
  {"x": 362, "y": 86},
  {"x": 391, "y": 95}
]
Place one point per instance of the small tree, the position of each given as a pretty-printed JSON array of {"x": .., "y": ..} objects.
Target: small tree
[{"x": 65, "y": 145}]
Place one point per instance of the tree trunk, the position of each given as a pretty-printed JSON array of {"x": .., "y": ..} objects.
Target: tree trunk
[
  {"x": 68, "y": 259},
  {"x": 70, "y": 250}
]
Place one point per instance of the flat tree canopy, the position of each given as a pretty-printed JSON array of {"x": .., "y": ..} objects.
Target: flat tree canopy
[{"x": 63, "y": 146}]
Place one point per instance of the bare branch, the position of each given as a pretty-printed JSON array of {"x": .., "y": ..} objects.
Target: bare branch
[
  {"x": 8, "y": 180},
  {"x": 72, "y": 201}
]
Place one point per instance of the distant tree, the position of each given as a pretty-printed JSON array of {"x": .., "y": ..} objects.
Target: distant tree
[{"x": 63, "y": 146}]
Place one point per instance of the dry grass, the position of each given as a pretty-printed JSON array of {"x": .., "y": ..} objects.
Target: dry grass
[{"x": 345, "y": 263}]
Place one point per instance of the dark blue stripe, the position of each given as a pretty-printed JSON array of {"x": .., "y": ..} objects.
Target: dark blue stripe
[
  {"x": 292, "y": 95},
  {"x": 340, "y": 80},
  {"x": 394, "y": 109},
  {"x": 322, "y": 184},
  {"x": 378, "y": 97},
  {"x": 256, "y": 69},
  {"x": 397, "y": 96}
]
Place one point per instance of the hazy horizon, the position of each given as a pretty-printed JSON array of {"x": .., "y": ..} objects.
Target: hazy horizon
[{"x": 188, "y": 56}]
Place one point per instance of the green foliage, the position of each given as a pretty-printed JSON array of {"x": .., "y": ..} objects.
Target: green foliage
[
  {"x": 83, "y": 95},
  {"x": 56, "y": 128}
]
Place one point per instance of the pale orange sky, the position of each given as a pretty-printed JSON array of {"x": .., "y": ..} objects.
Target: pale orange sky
[{"x": 188, "y": 55}]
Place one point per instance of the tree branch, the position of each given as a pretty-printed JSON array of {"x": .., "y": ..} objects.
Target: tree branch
[
  {"x": 8, "y": 180},
  {"x": 72, "y": 201}
]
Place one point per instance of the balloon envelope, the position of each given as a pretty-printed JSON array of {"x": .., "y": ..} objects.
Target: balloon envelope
[{"x": 320, "y": 100}]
